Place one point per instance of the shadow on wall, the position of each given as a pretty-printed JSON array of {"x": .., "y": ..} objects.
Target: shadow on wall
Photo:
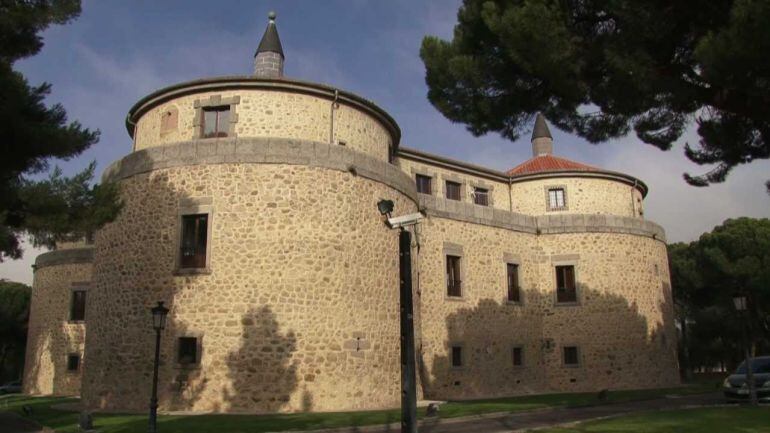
[{"x": 616, "y": 347}]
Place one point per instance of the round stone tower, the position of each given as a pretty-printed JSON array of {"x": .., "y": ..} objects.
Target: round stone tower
[{"x": 250, "y": 210}]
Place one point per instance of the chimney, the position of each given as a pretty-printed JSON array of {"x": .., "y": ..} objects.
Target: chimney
[
  {"x": 268, "y": 60},
  {"x": 542, "y": 142}
]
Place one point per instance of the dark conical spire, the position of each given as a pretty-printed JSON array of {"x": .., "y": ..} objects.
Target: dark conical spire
[
  {"x": 268, "y": 60},
  {"x": 542, "y": 142}
]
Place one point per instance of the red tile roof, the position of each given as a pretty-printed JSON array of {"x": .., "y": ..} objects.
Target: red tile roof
[{"x": 549, "y": 163}]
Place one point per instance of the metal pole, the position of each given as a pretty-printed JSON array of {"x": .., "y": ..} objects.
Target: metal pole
[
  {"x": 408, "y": 385},
  {"x": 749, "y": 372},
  {"x": 154, "y": 399}
]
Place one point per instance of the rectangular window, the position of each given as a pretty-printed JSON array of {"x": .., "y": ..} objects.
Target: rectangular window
[
  {"x": 571, "y": 356},
  {"x": 513, "y": 282},
  {"x": 216, "y": 122},
  {"x": 78, "y": 306},
  {"x": 194, "y": 240},
  {"x": 453, "y": 190},
  {"x": 481, "y": 196},
  {"x": 518, "y": 356},
  {"x": 453, "y": 281},
  {"x": 565, "y": 284},
  {"x": 188, "y": 350},
  {"x": 423, "y": 184},
  {"x": 73, "y": 362},
  {"x": 457, "y": 356},
  {"x": 556, "y": 199}
]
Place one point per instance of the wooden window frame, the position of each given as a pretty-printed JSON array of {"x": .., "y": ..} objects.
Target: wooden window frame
[
  {"x": 461, "y": 348},
  {"x": 577, "y": 363},
  {"x": 576, "y": 288},
  {"x": 213, "y": 102},
  {"x": 418, "y": 177},
  {"x": 458, "y": 282},
  {"x": 194, "y": 210},
  {"x": 72, "y": 319},
  {"x": 508, "y": 265},
  {"x": 221, "y": 126}
]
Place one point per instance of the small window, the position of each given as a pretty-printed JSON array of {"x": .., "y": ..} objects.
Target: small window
[
  {"x": 78, "y": 306},
  {"x": 481, "y": 196},
  {"x": 513, "y": 282},
  {"x": 73, "y": 362},
  {"x": 216, "y": 122},
  {"x": 194, "y": 240},
  {"x": 457, "y": 356},
  {"x": 517, "y": 355},
  {"x": 188, "y": 350},
  {"x": 556, "y": 199},
  {"x": 423, "y": 184},
  {"x": 565, "y": 284},
  {"x": 453, "y": 281},
  {"x": 571, "y": 355},
  {"x": 453, "y": 190}
]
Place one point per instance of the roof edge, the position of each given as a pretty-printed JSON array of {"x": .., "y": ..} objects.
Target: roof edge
[{"x": 465, "y": 167}]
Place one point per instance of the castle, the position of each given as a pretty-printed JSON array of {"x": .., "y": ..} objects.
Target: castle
[{"x": 250, "y": 209}]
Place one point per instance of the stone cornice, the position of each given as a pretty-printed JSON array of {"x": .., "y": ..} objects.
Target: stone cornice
[
  {"x": 69, "y": 256},
  {"x": 261, "y": 151},
  {"x": 251, "y": 82},
  {"x": 540, "y": 225}
]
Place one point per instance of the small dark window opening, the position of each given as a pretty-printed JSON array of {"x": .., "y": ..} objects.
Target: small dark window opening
[
  {"x": 216, "y": 122},
  {"x": 513, "y": 283},
  {"x": 571, "y": 355},
  {"x": 481, "y": 196},
  {"x": 452, "y": 190},
  {"x": 565, "y": 284},
  {"x": 78, "y": 307},
  {"x": 73, "y": 362},
  {"x": 518, "y": 357},
  {"x": 457, "y": 356},
  {"x": 423, "y": 184},
  {"x": 194, "y": 238},
  {"x": 188, "y": 350},
  {"x": 453, "y": 281}
]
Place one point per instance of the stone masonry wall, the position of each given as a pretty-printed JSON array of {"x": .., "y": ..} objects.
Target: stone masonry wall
[
  {"x": 270, "y": 113},
  {"x": 299, "y": 311},
  {"x": 52, "y": 336},
  {"x": 583, "y": 195}
]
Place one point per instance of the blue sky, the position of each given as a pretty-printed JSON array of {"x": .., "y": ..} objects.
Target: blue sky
[{"x": 118, "y": 51}]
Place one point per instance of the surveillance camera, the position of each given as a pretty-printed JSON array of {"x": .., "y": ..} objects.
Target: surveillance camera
[{"x": 405, "y": 220}]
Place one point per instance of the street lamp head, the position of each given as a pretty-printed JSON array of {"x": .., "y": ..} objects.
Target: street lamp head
[
  {"x": 159, "y": 313},
  {"x": 385, "y": 207},
  {"x": 739, "y": 300}
]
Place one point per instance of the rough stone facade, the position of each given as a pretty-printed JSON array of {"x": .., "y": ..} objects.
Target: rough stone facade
[{"x": 297, "y": 306}]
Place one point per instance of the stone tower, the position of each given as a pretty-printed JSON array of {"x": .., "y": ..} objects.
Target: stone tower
[{"x": 268, "y": 60}]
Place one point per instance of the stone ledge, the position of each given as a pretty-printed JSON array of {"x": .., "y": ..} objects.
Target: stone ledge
[
  {"x": 544, "y": 224},
  {"x": 64, "y": 257},
  {"x": 261, "y": 150}
]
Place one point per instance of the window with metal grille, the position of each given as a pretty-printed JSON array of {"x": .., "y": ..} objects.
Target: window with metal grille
[
  {"x": 78, "y": 306},
  {"x": 453, "y": 190},
  {"x": 571, "y": 355},
  {"x": 565, "y": 284},
  {"x": 457, "y": 356},
  {"x": 481, "y": 196},
  {"x": 194, "y": 241},
  {"x": 188, "y": 350},
  {"x": 556, "y": 199},
  {"x": 513, "y": 282},
  {"x": 453, "y": 277},
  {"x": 423, "y": 184},
  {"x": 215, "y": 122},
  {"x": 73, "y": 362},
  {"x": 517, "y": 355}
]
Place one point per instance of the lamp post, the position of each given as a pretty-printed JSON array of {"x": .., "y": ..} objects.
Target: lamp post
[
  {"x": 408, "y": 381},
  {"x": 740, "y": 302},
  {"x": 159, "y": 313}
]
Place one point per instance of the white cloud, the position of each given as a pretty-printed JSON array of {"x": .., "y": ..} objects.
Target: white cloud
[{"x": 21, "y": 270}]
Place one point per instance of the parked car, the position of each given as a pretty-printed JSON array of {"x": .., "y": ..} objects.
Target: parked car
[
  {"x": 736, "y": 386},
  {"x": 11, "y": 387}
]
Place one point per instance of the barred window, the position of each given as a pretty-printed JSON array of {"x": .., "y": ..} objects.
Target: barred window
[
  {"x": 481, "y": 196},
  {"x": 556, "y": 199},
  {"x": 423, "y": 184}
]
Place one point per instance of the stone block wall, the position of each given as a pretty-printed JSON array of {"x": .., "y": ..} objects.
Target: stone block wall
[
  {"x": 583, "y": 195},
  {"x": 51, "y": 335}
]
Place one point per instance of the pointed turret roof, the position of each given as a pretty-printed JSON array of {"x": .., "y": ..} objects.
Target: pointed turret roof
[
  {"x": 541, "y": 128},
  {"x": 270, "y": 40}
]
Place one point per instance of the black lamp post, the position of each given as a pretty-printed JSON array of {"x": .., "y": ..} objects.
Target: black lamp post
[
  {"x": 159, "y": 313},
  {"x": 740, "y": 302}
]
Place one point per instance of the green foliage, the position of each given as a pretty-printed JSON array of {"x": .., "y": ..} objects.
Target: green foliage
[
  {"x": 603, "y": 68},
  {"x": 33, "y": 134},
  {"x": 705, "y": 274},
  {"x": 14, "y": 312}
]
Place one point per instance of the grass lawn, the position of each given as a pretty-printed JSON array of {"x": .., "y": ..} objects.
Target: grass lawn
[
  {"x": 717, "y": 420},
  {"x": 63, "y": 421}
]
